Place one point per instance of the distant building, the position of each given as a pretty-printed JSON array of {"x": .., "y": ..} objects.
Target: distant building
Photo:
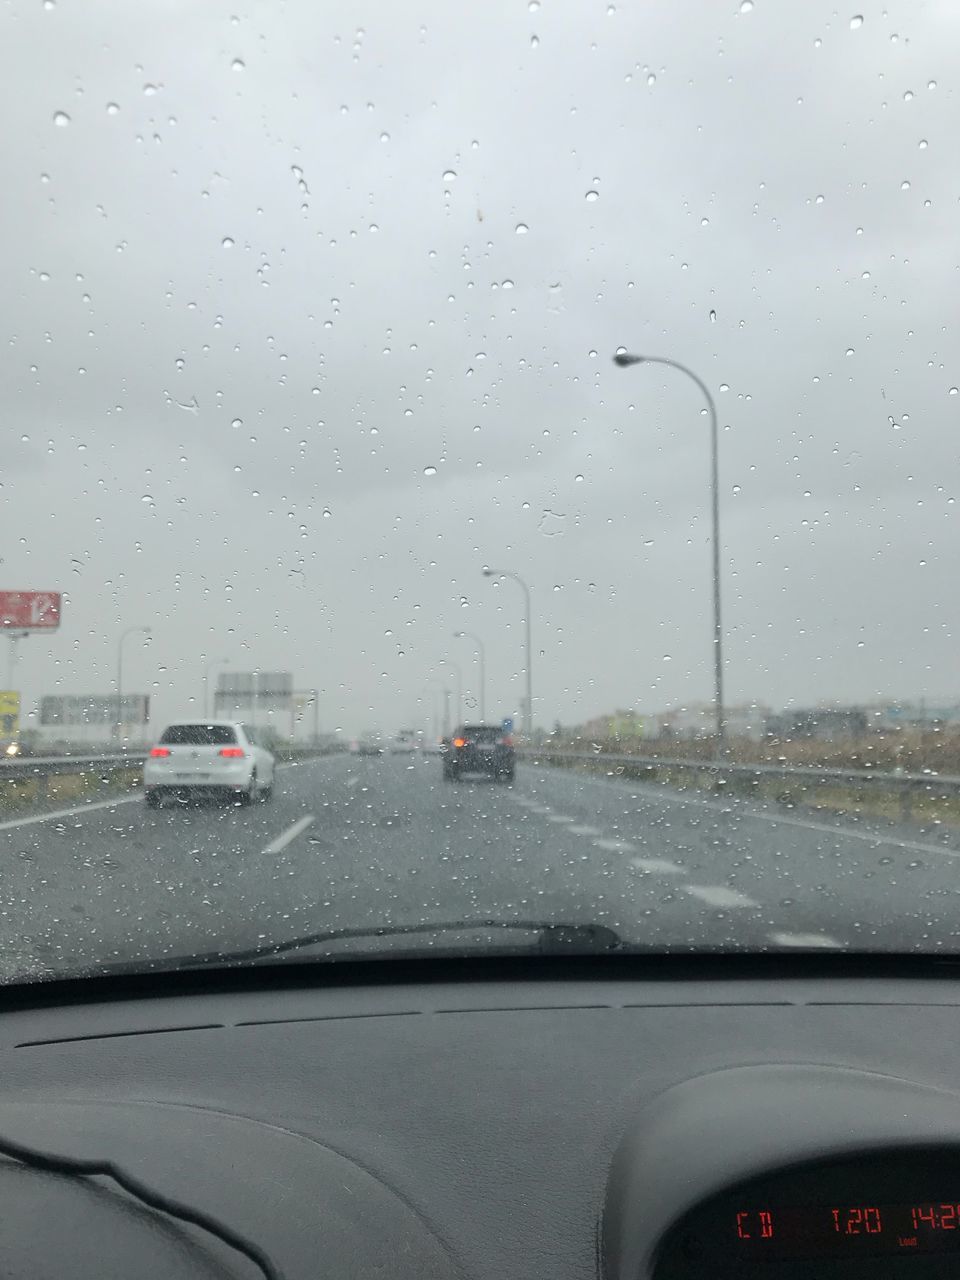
[
  {"x": 895, "y": 716},
  {"x": 820, "y": 724},
  {"x": 623, "y": 726}
]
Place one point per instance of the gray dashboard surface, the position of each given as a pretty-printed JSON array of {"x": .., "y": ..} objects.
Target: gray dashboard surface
[{"x": 492, "y": 1110}]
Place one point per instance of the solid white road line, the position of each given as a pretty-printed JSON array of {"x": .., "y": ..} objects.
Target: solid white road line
[
  {"x": 741, "y": 811},
  {"x": 659, "y": 865},
  {"x": 558, "y": 817},
  {"x": 615, "y": 846},
  {"x": 291, "y": 833},
  {"x": 581, "y": 830},
  {"x": 718, "y": 895},
  {"x": 77, "y": 811},
  {"x": 819, "y": 940}
]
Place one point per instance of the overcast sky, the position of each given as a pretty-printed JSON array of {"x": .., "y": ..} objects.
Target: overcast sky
[{"x": 308, "y": 312}]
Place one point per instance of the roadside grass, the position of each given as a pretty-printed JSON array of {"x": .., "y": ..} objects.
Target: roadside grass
[{"x": 22, "y": 796}]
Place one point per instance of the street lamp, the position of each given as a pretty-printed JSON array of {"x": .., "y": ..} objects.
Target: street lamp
[
  {"x": 214, "y": 662},
  {"x": 123, "y": 635},
  {"x": 448, "y": 662},
  {"x": 507, "y": 573},
  {"x": 624, "y": 359},
  {"x": 482, "y": 659}
]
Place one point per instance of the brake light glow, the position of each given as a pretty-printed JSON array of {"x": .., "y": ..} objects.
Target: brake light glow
[
  {"x": 506, "y": 740},
  {"x": 157, "y": 752},
  {"x": 459, "y": 742},
  {"x": 232, "y": 753}
]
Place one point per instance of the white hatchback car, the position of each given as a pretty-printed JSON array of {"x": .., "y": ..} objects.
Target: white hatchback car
[{"x": 211, "y": 757}]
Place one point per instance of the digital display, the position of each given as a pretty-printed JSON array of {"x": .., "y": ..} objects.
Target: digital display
[{"x": 844, "y": 1230}]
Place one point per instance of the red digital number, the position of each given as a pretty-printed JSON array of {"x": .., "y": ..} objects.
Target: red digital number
[
  {"x": 854, "y": 1222},
  {"x": 763, "y": 1226},
  {"x": 924, "y": 1216},
  {"x": 836, "y": 1219},
  {"x": 872, "y": 1221},
  {"x": 948, "y": 1217}
]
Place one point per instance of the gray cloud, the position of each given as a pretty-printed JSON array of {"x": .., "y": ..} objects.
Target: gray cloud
[{"x": 390, "y": 319}]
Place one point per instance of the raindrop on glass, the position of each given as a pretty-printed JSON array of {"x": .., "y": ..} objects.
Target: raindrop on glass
[
  {"x": 856, "y": 21},
  {"x": 521, "y": 228},
  {"x": 429, "y": 471},
  {"x": 61, "y": 119}
]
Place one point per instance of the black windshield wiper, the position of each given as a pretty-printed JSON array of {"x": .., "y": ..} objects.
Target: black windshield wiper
[{"x": 551, "y": 938}]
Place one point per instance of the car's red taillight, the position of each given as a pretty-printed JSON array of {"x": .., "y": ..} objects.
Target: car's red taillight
[
  {"x": 459, "y": 742},
  {"x": 506, "y": 740},
  {"x": 232, "y": 753},
  {"x": 157, "y": 752}
]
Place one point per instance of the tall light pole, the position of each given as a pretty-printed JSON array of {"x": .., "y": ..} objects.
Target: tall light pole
[
  {"x": 482, "y": 659},
  {"x": 448, "y": 662},
  {"x": 507, "y": 573},
  {"x": 123, "y": 635},
  {"x": 624, "y": 359},
  {"x": 214, "y": 662}
]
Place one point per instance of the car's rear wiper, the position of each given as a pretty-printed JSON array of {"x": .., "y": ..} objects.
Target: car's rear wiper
[{"x": 551, "y": 938}]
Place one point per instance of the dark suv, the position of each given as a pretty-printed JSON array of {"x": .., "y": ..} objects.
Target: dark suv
[{"x": 479, "y": 748}]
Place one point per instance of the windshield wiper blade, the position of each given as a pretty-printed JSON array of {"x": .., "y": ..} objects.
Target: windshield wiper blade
[{"x": 552, "y": 938}]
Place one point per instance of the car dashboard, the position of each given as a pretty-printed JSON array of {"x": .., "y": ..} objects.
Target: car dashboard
[{"x": 654, "y": 1117}]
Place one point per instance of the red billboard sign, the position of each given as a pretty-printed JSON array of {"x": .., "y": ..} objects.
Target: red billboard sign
[{"x": 29, "y": 610}]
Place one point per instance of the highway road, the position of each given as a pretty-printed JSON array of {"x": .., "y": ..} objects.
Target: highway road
[{"x": 368, "y": 842}]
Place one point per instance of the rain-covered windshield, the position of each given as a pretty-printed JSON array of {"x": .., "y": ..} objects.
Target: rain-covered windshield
[{"x": 583, "y": 370}]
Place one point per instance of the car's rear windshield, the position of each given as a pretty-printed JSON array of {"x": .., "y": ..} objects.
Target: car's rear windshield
[
  {"x": 482, "y": 732},
  {"x": 199, "y": 735}
]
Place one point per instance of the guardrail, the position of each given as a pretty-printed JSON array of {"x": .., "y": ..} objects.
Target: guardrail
[
  {"x": 45, "y": 766},
  {"x": 735, "y": 777},
  {"x": 27, "y": 777}
]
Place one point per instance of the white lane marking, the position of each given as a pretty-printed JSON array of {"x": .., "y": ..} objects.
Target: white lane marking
[
  {"x": 660, "y": 865},
  {"x": 78, "y": 811},
  {"x": 821, "y": 940},
  {"x": 581, "y": 830},
  {"x": 291, "y": 833},
  {"x": 558, "y": 817},
  {"x": 718, "y": 895},
  {"x": 351, "y": 780},
  {"x": 615, "y": 846},
  {"x": 738, "y": 810}
]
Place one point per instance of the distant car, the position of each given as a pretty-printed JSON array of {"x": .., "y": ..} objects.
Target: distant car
[
  {"x": 369, "y": 745},
  {"x": 210, "y": 757},
  {"x": 479, "y": 748},
  {"x": 406, "y": 741}
]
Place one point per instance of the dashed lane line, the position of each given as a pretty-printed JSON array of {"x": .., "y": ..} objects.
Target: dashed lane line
[
  {"x": 658, "y": 866},
  {"x": 615, "y": 846},
  {"x": 291, "y": 833},
  {"x": 809, "y": 941},
  {"x": 740, "y": 810},
  {"x": 718, "y": 895}
]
